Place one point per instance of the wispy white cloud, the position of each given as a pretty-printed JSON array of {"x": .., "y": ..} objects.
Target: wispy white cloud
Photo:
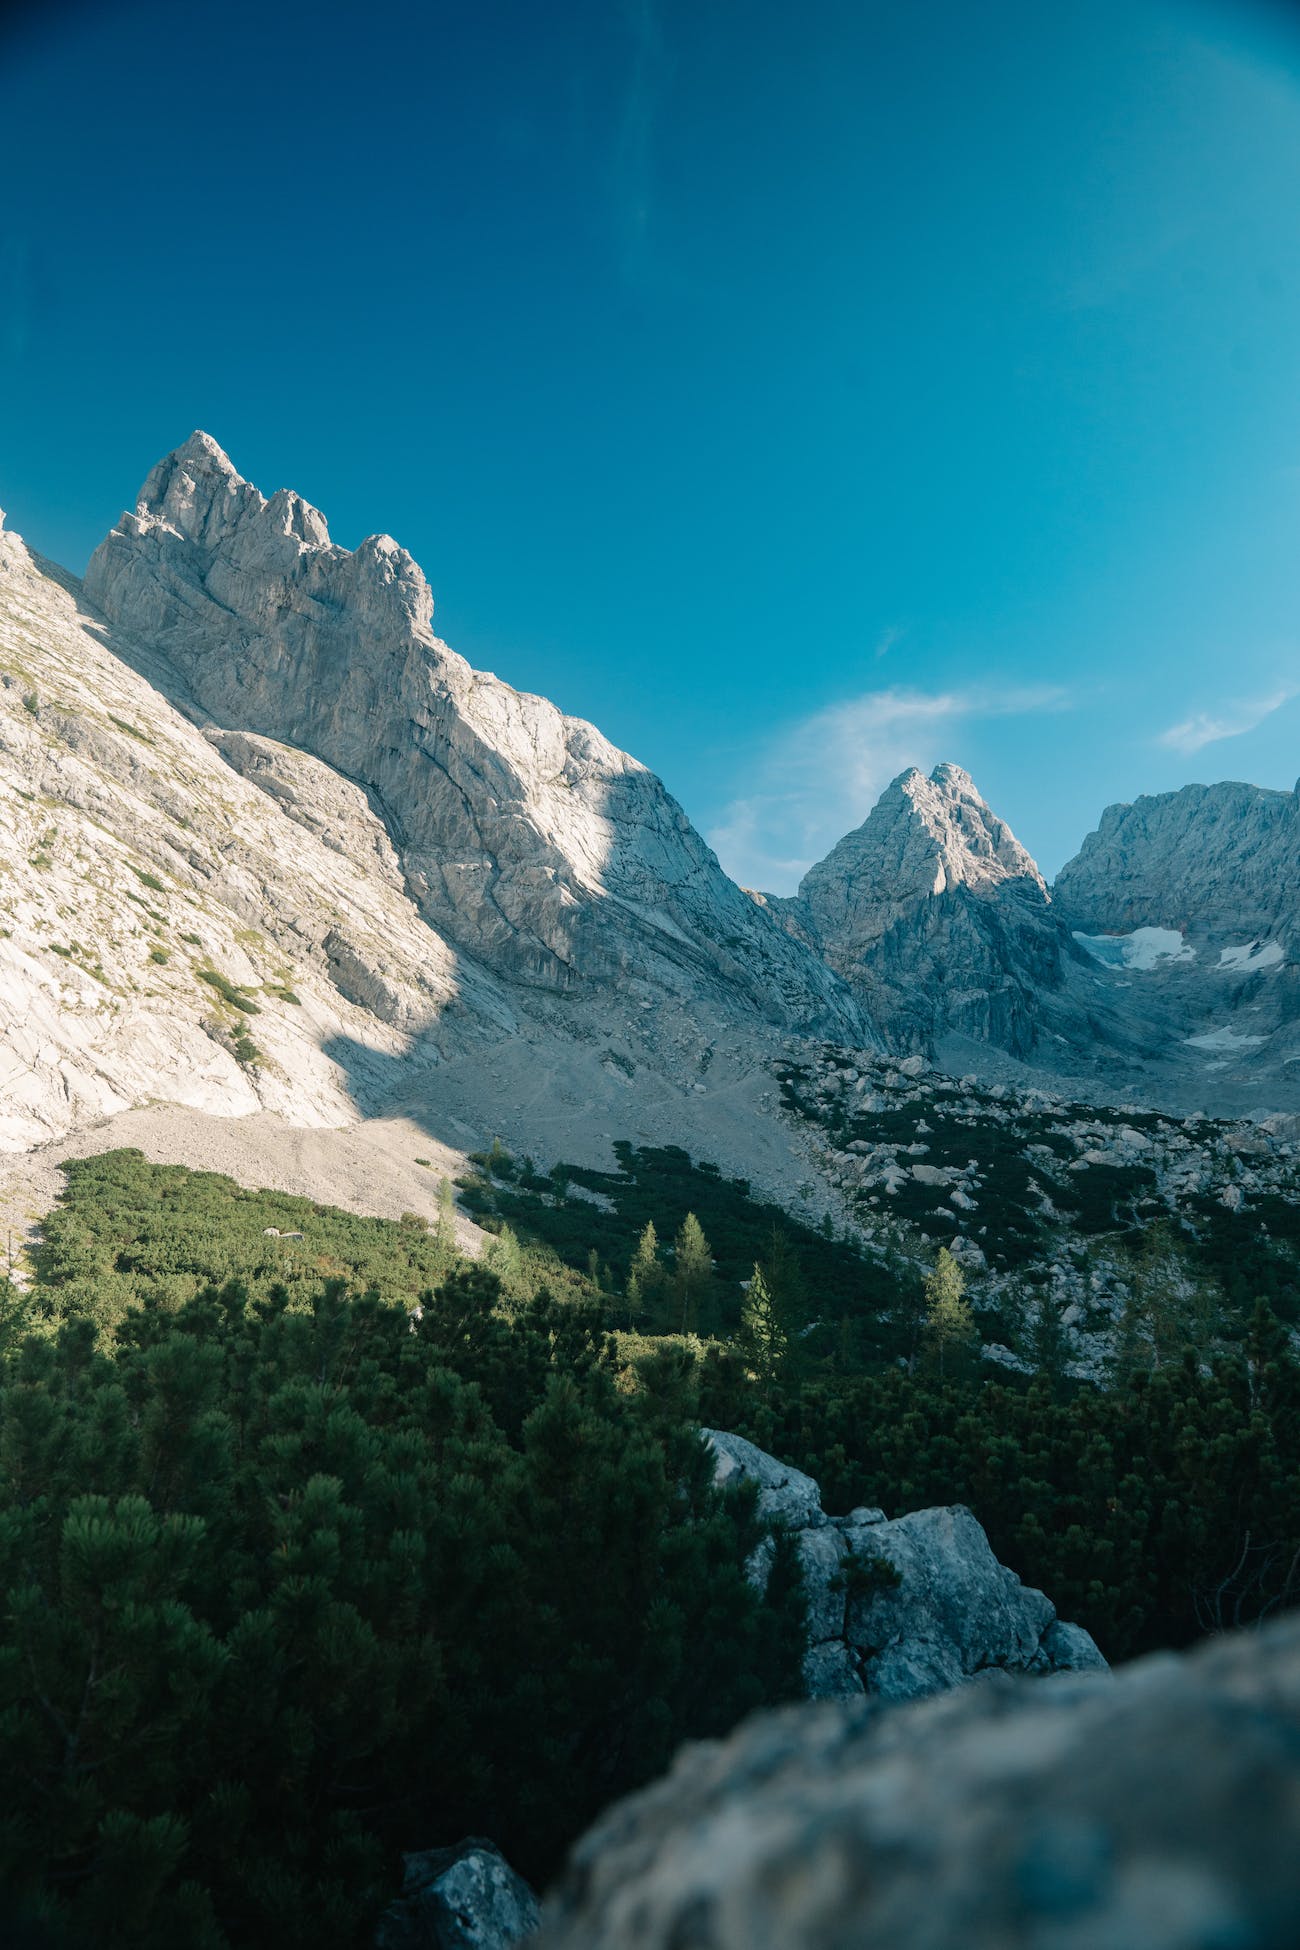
[
  {"x": 1229, "y": 720},
  {"x": 818, "y": 778}
]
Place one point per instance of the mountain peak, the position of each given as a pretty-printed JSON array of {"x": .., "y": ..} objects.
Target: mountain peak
[
  {"x": 923, "y": 837},
  {"x": 950, "y": 777},
  {"x": 196, "y": 492},
  {"x": 527, "y": 839}
]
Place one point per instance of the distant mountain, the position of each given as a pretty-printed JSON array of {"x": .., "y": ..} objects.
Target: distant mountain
[
  {"x": 1164, "y": 964},
  {"x": 935, "y": 916},
  {"x": 1212, "y": 859}
]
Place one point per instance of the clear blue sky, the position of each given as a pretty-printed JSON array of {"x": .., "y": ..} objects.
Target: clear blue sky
[{"x": 798, "y": 391}]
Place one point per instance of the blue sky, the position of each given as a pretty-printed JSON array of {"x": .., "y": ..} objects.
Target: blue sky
[{"x": 797, "y": 391}]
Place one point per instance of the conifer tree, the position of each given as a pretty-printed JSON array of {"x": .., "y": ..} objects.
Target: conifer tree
[
  {"x": 764, "y": 1337},
  {"x": 949, "y": 1322},
  {"x": 693, "y": 1262},
  {"x": 445, "y": 1230},
  {"x": 645, "y": 1280}
]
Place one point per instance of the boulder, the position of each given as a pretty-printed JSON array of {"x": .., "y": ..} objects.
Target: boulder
[
  {"x": 1154, "y": 1810},
  {"x": 785, "y": 1495},
  {"x": 462, "y": 1898},
  {"x": 900, "y": 1609},
  {"x": 954, "y": 1612}
]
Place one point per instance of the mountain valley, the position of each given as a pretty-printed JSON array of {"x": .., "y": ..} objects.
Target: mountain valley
[{"x": 413, "y": 1143}]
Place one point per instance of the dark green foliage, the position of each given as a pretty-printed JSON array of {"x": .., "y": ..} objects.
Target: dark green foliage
[
  {"x": 226, "y": 989},
  {"x": 1131, "y": 1506},
  {"x": 295, "y": 1575},
  {"x": 857, "y": 1298},
  {"x": 381, "y": 1547},
  {"x": 1151, "y": 1512},
  {"x": 151, "y": 880}
]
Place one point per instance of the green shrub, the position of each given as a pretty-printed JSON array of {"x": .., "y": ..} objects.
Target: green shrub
[
  {"x": 295, "y": 1580},
  {"x": 237, "y": 998}
]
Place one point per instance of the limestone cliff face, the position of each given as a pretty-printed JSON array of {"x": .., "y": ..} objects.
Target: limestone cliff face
[
  {"x": 523, "y": 835},
  {"x": 1211, "y": 858},
  {"x": 171, "y": 931},
  {"x": 936, "y": 917}
]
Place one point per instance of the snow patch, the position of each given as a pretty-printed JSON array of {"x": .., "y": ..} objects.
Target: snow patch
[
  {"x": 1144, "y": 948},
  {"x": 1224, "y": 1041},
  {"x": 1255, "y": 954}
]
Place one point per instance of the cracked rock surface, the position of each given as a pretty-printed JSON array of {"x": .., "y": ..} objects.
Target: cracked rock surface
[
  {"x": 1153, "y": 1810},
  {"x": 945, "y": 1611}
]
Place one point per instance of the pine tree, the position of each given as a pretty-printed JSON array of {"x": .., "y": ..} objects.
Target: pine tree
[
  {"x": 445, "y": 1229},
  {"x": 645, "y": 1280},
  {"x": 693, "y": 1261},
  {"x": 764, "y": 1336},
  {"x": 949, "y": 1322}
]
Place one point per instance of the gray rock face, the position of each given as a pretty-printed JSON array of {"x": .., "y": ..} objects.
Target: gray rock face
[
  {"x": 943, "y": 1611},
  {"x": 785, "y": 1495},
  {"x": 1153, "y": 1810},
  {"x": 522, "y": 834},
  {"x": 955, "y": 1612},
  {"x": 462, "y": 1898},
  {"x": 1164, "y": 964},
  {"x": 936, "y": 917},
  {"x": 1222, "y": 858},
  {"x": 136, "y": 862}
]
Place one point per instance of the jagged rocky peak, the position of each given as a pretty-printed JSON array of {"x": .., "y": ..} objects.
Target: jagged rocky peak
[
  {"x": 923, "y": 838},
  {"x": 935, "y": 915},
  {"x": 1217, "y": 858},
  {"x": 524, "y": 835}
]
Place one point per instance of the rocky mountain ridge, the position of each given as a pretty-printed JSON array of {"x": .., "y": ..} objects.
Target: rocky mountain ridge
[
  {"x": 201, "y": 911},
  {"x": 524, "y": 836},
  {"x": 1163, "y": 965},
  {"x": 270, "y": 846},
  {"x": 935, "y": 916}
]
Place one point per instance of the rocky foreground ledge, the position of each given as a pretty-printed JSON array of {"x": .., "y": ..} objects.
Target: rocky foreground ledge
[
  {"x": 984, "y": 1782},
  {"x": 1158, "y": 1809}
]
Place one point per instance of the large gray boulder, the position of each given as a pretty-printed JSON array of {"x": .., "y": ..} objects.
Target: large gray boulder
[
  {"x": 462, "y": 1898},
  {"x": 1158, "y": 1809},
  {"x": 900, "y": 1609},
  {"x": 954, "y": 1612}
]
